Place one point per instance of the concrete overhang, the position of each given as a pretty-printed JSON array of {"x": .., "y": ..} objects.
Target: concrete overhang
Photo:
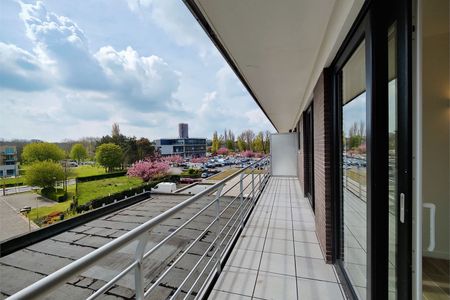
[{"x": 277, "y": 48}]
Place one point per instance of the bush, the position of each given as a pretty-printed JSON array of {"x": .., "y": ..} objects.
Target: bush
[{"x": 44, "y": 174}]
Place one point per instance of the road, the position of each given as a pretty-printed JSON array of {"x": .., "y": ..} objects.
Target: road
[
  {"x": 12, "y": 222},
  {"x": 25, "y": 188}
]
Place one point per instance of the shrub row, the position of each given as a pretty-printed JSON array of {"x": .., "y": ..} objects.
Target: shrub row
[
  {"x": 12, "y": 184},
  {"x": 101, "y": 176},
  {"x": 99, "y": 202}
]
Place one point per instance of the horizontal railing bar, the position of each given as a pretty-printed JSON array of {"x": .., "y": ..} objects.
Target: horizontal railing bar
[
  {"x": 248, "y": 204},
  {"x": 246, "y": 212},
  {"x": 59, "y": 277},
  {"x": 225, "y": 248},
  {"x": 180, "y": 257},
  {"x": 217, "y": 218},
  {"x": 110, "y": 283},
  {"x": 206, "y": 252}
]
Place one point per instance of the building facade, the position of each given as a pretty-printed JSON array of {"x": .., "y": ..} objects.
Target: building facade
[
  {"x": 365, "y": 85},
  {"x": 8, "y": 161},
  {"x": 185, "y": 147},
  {"x": 183, "y": 131}
]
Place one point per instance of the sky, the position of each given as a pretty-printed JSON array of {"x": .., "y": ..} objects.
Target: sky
[{"x": 70, "y": 69}]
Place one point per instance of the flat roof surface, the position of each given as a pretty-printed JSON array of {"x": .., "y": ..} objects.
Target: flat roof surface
[{"x": 26, "y": 266}]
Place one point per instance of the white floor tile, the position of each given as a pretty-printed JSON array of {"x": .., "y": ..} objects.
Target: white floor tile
[
  {"x": 314, "y": 269},
  {"x": 278, "y": 263},
  {"x": 308, "y": 250},
  {"x": 250, "y": 243},
  {"x": 219, "y": 295},
  {"x": 282, "y": 234},
  {"x": 306, "y": 226},
  {"x": 318, "y": 290},
  {"x": 305, "y": 236},
  {"x": 274, "y": 286},
  {"x": 285, "y": 247},
  {"x": 237, "y": 280},
  {"x": 244, "y": 259}
]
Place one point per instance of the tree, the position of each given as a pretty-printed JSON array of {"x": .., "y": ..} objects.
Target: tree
[
  {"x": 44, "y": 174},
  {"x": 42, "y": 151},
  {"x": 258, "y": 142},
  {"x": 248, "y": 136},
  {"x": 78, "y": 152},
  {"x": 242, "y": 146},
  {"x": 109, "y": 156},
  {"x": 144, "y": 148},
  {"x": 147, "y": 170},
  {"x": 215, "y": 142},
  {"x": 267, "y": 141}
]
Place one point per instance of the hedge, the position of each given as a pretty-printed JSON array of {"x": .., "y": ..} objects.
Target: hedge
[
  {"x": 99, "y": 202},
  {"x": 101, "y": 176}
]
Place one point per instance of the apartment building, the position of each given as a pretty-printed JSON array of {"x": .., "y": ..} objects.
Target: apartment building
[{"x": 8, "y": 161}]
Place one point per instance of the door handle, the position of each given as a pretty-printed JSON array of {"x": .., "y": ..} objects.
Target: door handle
[{"x": 432, "y": 208}]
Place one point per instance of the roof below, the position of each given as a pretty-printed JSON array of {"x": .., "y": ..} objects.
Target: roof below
[
  {"x": 278, "y": 51},
  {"x": 31, "y": 264}
]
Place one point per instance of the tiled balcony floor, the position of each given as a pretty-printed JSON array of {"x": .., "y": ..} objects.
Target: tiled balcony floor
[{"x": 277, "y": 255}]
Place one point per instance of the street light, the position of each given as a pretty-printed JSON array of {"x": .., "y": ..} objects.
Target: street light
[{"x": 26, "y": 210}]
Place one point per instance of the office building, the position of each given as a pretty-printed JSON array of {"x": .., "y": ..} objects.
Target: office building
[
  {"x": 183, "y": 131},
  {"x": 185, "y": 147}
]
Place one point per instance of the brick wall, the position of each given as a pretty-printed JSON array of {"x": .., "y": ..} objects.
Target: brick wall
[{"x": 322, "y": 156}]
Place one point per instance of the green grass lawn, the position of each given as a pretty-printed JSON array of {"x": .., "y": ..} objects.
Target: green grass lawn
[
  {"x": 83, "y": 171},
  {"x": 90, "y": 190},
  {"x": 45, "y": 210},
  {"x": 224, "y": 174},
  {"x": 18, "y": 180}
]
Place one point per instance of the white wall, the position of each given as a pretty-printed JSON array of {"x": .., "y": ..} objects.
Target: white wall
[{"x": 283, "y": 151}]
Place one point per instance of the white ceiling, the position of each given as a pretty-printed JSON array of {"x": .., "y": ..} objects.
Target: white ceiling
[{"x": 280, "y": 47}]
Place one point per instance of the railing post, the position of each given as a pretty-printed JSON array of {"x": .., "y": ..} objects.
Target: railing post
[
  {"x": 219, "y": 193},
  {"x": 241, "y": 185},
  {"x": 139, "y": 270},
  {"x": 253, "y": 185}
]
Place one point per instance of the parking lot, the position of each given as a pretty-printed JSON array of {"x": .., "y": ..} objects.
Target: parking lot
[{"x": 12, "y": 222}]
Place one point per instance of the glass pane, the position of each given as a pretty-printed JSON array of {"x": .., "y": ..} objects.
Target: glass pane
[
  {"x": 354, "y": 171},
  {"x": 436, "y": 149},
  {"x": 392, "y": 62}
]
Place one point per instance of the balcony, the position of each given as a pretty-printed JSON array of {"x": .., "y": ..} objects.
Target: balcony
[{"x": 250, "y": 235}]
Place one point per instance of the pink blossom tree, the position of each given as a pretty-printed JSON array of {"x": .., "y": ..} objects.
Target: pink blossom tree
[
  {"x": 247, "y": 153},
  {"x": 147, "y": 170},
  {"x": 222, "y": 151},
  {"x": 173, "y": 159},
  {"x": 199, "y": 160}
]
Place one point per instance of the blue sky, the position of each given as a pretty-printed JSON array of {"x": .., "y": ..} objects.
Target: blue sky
[{"x": 69, "y": 69}]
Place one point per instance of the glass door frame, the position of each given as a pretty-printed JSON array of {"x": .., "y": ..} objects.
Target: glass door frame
[
  {"x": 372, "y": 25},
  {"x": 308, "y": 153}
]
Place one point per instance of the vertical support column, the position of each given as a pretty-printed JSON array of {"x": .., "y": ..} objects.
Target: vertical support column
[{"x": 139, "y": 271}]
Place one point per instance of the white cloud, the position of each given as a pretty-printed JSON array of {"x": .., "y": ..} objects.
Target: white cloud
[
  {"x": 21, "y": 70},
  {"x": 60, "y": 43},
  {"x": 174, "y": 18},
  {"x": 143, "y": 81}
]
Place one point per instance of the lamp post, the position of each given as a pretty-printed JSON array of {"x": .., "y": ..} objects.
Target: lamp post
[{"x": 26, "y": 210}]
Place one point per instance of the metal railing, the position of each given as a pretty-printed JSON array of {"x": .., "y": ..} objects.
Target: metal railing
[{"x": 226, "y": 223}]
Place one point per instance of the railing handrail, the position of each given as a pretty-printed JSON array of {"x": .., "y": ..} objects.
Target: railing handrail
[{"x": 59, "y": 277}]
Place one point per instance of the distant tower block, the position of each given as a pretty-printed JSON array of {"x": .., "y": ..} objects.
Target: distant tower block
[{"x": 183, "y": 131}]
